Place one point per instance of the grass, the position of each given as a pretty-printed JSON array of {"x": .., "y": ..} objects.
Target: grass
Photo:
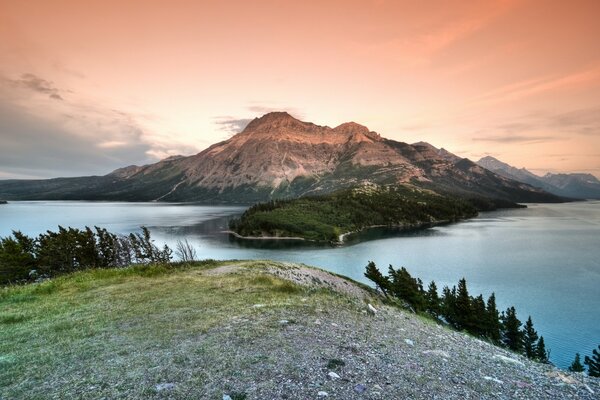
[{"x": 119, "y": 333}]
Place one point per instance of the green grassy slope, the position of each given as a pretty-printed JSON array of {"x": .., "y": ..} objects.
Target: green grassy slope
[{"x": 117, "y": 333}]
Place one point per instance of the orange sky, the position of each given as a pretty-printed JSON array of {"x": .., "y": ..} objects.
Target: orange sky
[{"x": 88, "y": 86}]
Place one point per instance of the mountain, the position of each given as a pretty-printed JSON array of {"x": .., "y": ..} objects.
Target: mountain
[
  {"x": 579, "y": 186},
  {"x": 278, "y": 156}
]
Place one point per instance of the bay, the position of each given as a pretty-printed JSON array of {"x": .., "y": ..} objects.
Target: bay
[{"x": 544, "y": 260}]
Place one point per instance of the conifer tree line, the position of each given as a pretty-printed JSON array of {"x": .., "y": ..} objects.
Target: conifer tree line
[
  {"x": 25, "y": 258},
  {"x": 592, "y": 363},
  {"x": 460, "y": 310}
]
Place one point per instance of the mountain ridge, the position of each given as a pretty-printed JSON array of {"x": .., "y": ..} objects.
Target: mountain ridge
[
  {"x": 573, "y": 185},
  {"x": 279, "y": 156}
]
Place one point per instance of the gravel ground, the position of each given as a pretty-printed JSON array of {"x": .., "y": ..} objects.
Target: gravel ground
[
  {"x": 246, "y": 330},
  {"x": 352, "y": 352}
]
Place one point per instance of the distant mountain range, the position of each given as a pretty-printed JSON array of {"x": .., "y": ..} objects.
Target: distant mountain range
[
  {"x": 279, "y": 156},
  {"x": 579, "y": 186}
]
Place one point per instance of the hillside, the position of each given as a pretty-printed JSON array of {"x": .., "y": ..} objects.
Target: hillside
[
  {"x": 329, "y": 218},
  {"x": 578, "y": 186},
  {"x": 245, "y": 330},
  {"x": 279, "y": 156}
]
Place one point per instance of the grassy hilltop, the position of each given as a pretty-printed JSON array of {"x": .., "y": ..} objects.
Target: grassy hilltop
[{"x": 247, "y": 330}]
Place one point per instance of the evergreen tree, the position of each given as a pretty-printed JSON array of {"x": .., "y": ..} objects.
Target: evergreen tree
[
  {"x": 479, "y": 316},
  {"x": 462, "y": 306},
  {"x": 448, "y": 304},
  {"x": 433, "y": 300},
  {"x": 576, "y": 365},
  {"x": 512, "y": 337},
  {"x": 593, "y": 363},
  {"x": 407, "y": 288},
  {"x": 542, "y": 355},
  {"x": 493, "y": 325},
  {"x": 372, "y": 273},
  {"x": 530, "y": 338}
]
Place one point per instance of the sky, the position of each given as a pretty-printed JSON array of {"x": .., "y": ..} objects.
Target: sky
[{"x": 90, "y": 86}]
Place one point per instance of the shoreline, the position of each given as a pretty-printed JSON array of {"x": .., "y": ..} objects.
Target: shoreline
[{"x": 342, "y": 237}]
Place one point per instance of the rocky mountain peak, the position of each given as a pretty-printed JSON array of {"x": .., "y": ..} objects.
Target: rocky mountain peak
[{"x": 274, "y": 120}]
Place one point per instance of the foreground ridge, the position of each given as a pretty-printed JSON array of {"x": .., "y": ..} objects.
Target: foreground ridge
[{"x": 246, "y": 329}]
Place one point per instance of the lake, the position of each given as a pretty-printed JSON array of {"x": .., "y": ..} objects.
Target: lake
[{"x": 544, "y": 260}]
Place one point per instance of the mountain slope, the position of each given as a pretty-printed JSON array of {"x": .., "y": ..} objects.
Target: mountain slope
[
  {"x": 278, "y": 156},
  {"x": 583, "y": 186},
  {"x": 246, "y": 329}
]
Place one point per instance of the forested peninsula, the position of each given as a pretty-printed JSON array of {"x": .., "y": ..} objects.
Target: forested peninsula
[{"x": 330, "y": 218}]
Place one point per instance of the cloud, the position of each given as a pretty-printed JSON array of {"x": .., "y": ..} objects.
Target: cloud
[
  {"x": 232, "y": 125},
  {"x": 36, "y": 84},
  {"x": 524, "y": 139},
  {"x": 42, "y": 137},
  {"x": 530, "y": 87}
]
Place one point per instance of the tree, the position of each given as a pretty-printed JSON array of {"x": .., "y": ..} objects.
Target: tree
[
  {"x": 479, "y": 316},
  {"x": 464, "y": 314},
  {"x": 374, "y": 274},
  {"x": 185, "y": 251},
  {"x": 448, "y": 304},
  {"x": 530, "y": 338},
  {"x": 512, "y": 337},
  {"x": 493, "y": 326},
  {"x": 433, "y": 300},
  {"x": 542, "y": 355},
  {"x": 593, "y": 363},
  {"x": 576, "y": 365}
]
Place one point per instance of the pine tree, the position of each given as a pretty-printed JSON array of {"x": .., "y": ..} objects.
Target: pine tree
[
  {"x": 542, "y": 355},
  {"x": 433, "y": 300},
  {"x": 448, "y": 304},
  {"x": 373, "y": 274},
  {"x": 593, "y": 363},
  {"x": 530, "y": 338},
  {"x": 463, "y": 306},
  {"x": 479, "y": 316},
  {"x": 576, "y": 365},
  {"x": 512, "y": 337},
  {"x": 493, "y": 325}
]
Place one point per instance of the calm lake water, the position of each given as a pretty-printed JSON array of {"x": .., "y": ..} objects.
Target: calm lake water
[{"x": 544, "y": 260}]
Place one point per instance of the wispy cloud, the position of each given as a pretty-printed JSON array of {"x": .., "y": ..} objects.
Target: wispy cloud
[
  {"x": 43, "y": 137},
  {"x": 232, "y": 125},
  {"x": 36, "y": 84},
  {"x": 523, "y": 139},
  {"x": 530, "y": 87}
]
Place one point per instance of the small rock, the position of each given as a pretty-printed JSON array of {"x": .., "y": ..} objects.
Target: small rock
[
  {"x": 333, "y": 375},
  {"x": 409, "y": 342},
  {"x": 226, "y": 397},
  {"x": 360, "y": 388},
  {"x": 377, "y": 387},
  {"x": 322, "y": 394},
  {"x": 284, "y": 322},
  {"x": 489, "y": 378},
  {"x": 165, "y": 386},
  {"x": 507, "y": 359},
  {"x": 258, "y": 306},
  {"x": 372, "y": 309},
  {"x": 440, "y": 353},
  {"x": 522, "y": 384}
]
